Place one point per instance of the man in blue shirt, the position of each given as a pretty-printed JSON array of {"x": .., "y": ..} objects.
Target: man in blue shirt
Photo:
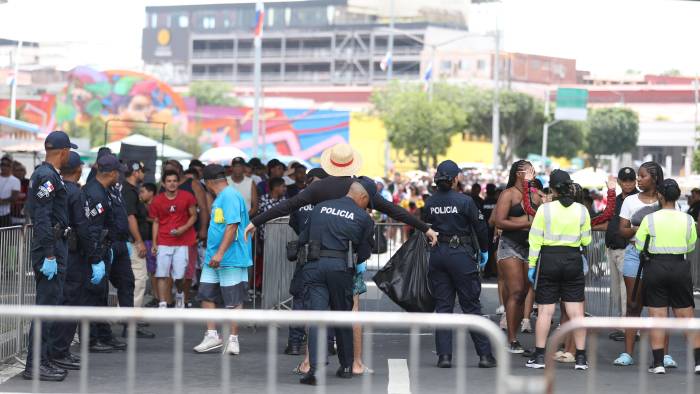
[{"x": 224, "y": 279}]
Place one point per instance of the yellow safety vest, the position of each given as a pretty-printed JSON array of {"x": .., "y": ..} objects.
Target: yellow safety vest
[
  {"x": 557, "y": 225},
  {"x": 671, "y": 231}
]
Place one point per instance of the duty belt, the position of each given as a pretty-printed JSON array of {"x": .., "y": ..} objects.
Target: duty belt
[
  {"x": 455, "y": 240},
  {"x": 340, "y": 254},
  {"x": 61, "y": 232}
]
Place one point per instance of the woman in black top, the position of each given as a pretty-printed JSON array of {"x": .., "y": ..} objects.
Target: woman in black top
[{"x": 513, "y": 215}]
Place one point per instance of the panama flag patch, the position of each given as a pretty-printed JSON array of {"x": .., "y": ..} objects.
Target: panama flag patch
[{"x": 99, "y": 207}]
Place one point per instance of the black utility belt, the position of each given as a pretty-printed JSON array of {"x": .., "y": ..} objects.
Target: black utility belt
[
  {"x": 60, "y": 232},
  {"x": 338, "y": 254},
  {"x": 455, "y": 241},
  {"x": 560, "y": 249},
  {"x": 668, "y": 257}
]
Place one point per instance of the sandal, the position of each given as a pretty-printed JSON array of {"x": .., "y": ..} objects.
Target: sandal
[
  {"x": 297, "y": 370},
  {"x": 365, "y": 371}
]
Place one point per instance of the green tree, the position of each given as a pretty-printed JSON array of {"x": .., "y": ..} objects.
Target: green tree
[
  {"x": 213, "y": 93},
  {"x": 419, "y": 126},
  {"x": 611, "y": 131},
  {"x": 565, "y": 139},
  {"x": 674, "y": 72},
  {"x": 519, "y": 114}
]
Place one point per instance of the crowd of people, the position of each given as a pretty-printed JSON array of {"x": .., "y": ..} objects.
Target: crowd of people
[{"x": 196, "y": 234}]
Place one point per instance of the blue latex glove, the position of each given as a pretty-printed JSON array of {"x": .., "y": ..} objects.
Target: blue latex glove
[
  {"x": 531, "y": 274},
  {"x": 483, "y": 259},
  {"x": 362, "y": 267},
  {"x": 49, "y": 268},
  {"x": 129, "y": 248},
  {"x": 98, "y": 272}
]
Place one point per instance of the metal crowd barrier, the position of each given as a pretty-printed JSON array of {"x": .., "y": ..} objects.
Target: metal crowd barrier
[
  {"x": 278, "y": 271},
  {"x": 598, "y": 300},
  {"x": 688, "y": 327},
  {"x": 17, "y": 287},
  {"x": 415, "y": 322},
  {"x": 694, "y": 259}
]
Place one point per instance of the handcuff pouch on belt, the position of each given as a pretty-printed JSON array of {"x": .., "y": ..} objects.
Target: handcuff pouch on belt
[
  {"x": 72, "y": 240},
  {"x": 292, "y": 250},
  {"x": 313, "y": 250}
]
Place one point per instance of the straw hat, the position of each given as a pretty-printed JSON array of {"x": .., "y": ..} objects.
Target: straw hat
[{"x": 341, "y": 160}]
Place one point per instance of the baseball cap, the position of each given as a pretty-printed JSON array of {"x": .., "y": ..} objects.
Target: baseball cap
[
  {"x": 275, "y": 163},
  {"x": 58, "y": 140},
  {"x": 109, "y": 163},
  {"x": 626, "y": 174},
  {"x": 369, "y": 185},
  {"x": 134, "y": 165},
  {"x": 213, "y": 172},
  {"x": 319, "y": 173},
  {"x": 73, "y": 162},
  {"x": 448, "y": 168},
  {"x": 238, "y": 160},
  {"x": 558, "y": 177}
]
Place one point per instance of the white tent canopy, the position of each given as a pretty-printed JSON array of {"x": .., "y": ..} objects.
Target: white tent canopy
[
  {"x": 163, "y": 150},
  {"x": 590, "y": 178},
  {"x": 222, "y": 154}
]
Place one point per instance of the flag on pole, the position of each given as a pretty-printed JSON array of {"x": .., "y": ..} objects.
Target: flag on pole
[
  {"x": 386, "y": 62},
  {"x": 11, "y": 80},
  {"x": 259, "y": 18},
  {"x": 428, "y": 75}
]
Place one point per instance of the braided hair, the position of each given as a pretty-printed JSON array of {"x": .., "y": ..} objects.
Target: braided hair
[
  {"x": 567, "y": 193},
  {"x": 513, "y": 174},
  {"x": 656, "y": 172}
]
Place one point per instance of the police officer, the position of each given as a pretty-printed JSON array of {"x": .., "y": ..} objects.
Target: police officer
[
  {"x": 335, "y": 230},
  {"x": 297, "y": 221},
  {"x": 81, "y": 254},
  {"x": 101, "y": 218},
  {"x": 559, "y": 230},
  {"x": 667, "y": 275},
  {"x": 453, "y": 266},
  {"x": 47, "y": 207}
]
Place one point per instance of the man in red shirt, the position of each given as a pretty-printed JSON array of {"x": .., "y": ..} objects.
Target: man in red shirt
[{"x": 174, "y": 213}]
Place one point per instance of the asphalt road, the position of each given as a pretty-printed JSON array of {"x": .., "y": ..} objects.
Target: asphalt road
[{"x": 249, "y": 370}]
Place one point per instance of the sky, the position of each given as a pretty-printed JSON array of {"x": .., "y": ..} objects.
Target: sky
[{"x": 604, "y": 36}]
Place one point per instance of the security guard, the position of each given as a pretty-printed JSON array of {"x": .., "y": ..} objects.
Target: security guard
[
  {"x": 297, "y": 221},
  {"x": 48, "y": 209},
  {"x": 667, "y": 275},
  {"x": 101, "y": 217},
  {"x": 81, "y": 253},
  {"x": 453, "y": 261},
  {"x": 559, "y": 230},
  {"x": 335, "y": 231}
]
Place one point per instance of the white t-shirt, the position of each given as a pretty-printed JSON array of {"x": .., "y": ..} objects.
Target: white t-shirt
[
  {"x": 7, "y": 186},
  {"x": 634, "y": 210}
]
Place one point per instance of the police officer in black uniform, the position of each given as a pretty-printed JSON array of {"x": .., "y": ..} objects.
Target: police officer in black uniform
[
  {"x": 101, "y": 216},
  {"x": 48, "y": 209},
  {"x": 335, "y": 230},
  {"x": 455, "y": 260},
  {"x": 81, "y": 254},
  {"x": 297, "y": 221}
]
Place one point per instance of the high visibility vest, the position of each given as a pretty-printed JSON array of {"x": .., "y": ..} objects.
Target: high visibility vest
[
  {"x": 671, "y": 232},
  {"x": 557, "y": 225}
]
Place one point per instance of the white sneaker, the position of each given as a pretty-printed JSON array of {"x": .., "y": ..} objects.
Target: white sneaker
[
  {"x": 162, "y": 305},
  {"x": 232, "y": 347},
  {"x": 697, "y": 369},
  {"x": 209, "y": 343},
  {"x": 525, "y": 326},
  {"x": 500, "y": 310},
  {"x": 659, "y": 370},
  {"x": 180, "y": 300}
]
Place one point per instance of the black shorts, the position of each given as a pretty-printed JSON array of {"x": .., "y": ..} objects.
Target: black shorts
[
  {"x": 668, "y": 282},
  {"x": 560, "y": 276}
]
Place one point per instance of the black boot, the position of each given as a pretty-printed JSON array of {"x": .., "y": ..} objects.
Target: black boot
[
  {"x": 487, "y": 361},
  {"x": 444, "y": 361},
  {"x": 344, "y": 372},
  {"x": 309, "y": 378},
  {"x": 100, "y": 347},
  {"x": 46, "y": 373},
  {"x": 116, "y": 343},
  {"x": 66, "y": 362},
  {"x": 293, "y": 349}
]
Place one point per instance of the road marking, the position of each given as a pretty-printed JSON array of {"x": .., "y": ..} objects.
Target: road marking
[{"x": 399, "y": 381}]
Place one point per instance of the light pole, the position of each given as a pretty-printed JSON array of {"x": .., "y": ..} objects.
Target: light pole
[{"x": 257, "y": 43}]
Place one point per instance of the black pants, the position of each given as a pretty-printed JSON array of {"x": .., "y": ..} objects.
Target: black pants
[
  {"x": 120, "y": 274},
  {"x": 48, "y": 292},
  {"x": 453, "y": 272},
  {"x": 78, "y": 273},
  {"x": 328, "y": 284},
  {"x": 296, "y": 290}
]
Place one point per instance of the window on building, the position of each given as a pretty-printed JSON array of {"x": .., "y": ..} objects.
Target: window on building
[
  {"x": 183, "y": 21},
  {"x": 287, "y": 16},
  {"x": 481, "y": 64},
  {"x": 464, "y": 65},
  {"x": 209, "y": 22},
  {"x": 154, "y": 21},
  {"x": 446, "y": 65},
  {"x": 535, "y": 64},
  {"x": 330, "y": 14}
]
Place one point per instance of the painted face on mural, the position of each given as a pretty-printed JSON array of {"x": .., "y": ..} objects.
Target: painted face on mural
[{"x": 139, "y": 108}]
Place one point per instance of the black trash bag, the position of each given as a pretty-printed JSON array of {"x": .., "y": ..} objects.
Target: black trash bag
[
  {"x": 380, "y": 242},
  {"x": 404, "y": 279}
]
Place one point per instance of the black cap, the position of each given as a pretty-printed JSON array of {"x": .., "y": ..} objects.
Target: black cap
[
  {"x": 58, "y": 140},
  {"x": 237, "y": 160},
  {"x": 213, "y": 172},
  {"x": 559, "y": 177},
  {"x": 448, "y": 168},
  {"x": 73, "y": 162},
  {"x": 626, "y": 174},
  {"x": 103, "y": 151},
  {"x": 109, "y": 163},
  {"x": 319, "y": 173},
  {"x": 369, "y": 185},
  {"x": 275, "y": 163}
]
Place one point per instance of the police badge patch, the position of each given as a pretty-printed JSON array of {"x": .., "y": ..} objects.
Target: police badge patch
[{"x": 45, "y": 190}]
